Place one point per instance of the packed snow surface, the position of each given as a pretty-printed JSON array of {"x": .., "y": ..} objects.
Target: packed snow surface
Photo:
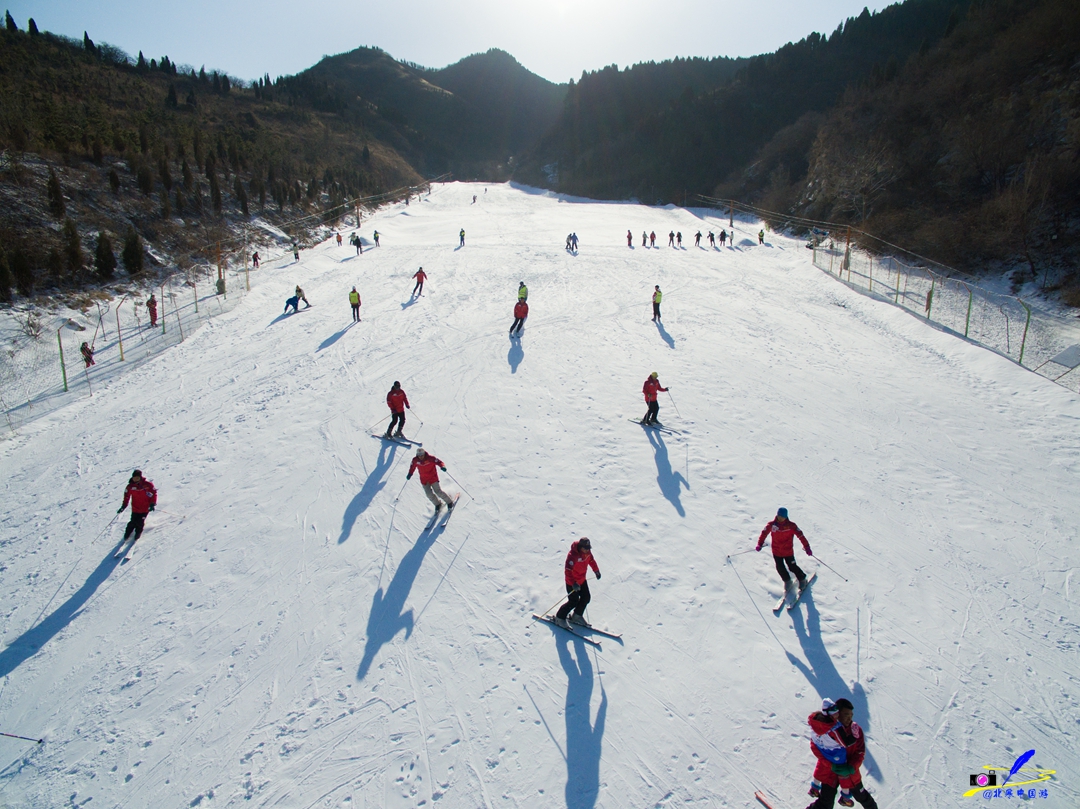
[{"x": 288, "y": 635}]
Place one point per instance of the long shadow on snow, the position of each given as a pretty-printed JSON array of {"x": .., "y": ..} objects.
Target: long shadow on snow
[
  {"x": 823, "y": 676},
  {"x": 663, "y": 333},
  {"x": 333, "y": 338},
  {"x": 374, "y": 484},
  {"x": 388, "y": 615},
  {"x": 583, "y": 739},
  {"x": 30, "y": 642},
  {"x": 670, "y": 482},
  {"x": 515, "y": 355}
]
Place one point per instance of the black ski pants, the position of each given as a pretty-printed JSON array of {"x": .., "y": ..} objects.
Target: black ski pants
[
  {"x": 418, "y": 289},
  {"x": 577, "y": 602},
  {"x": 655, "y": 311},
  {"x": 518, "y": 325},
  {"x": 828, "y": 797},
  {"x": 398, "y": 420},
  {"x": 654, "y": 411},
  {"x": 782, "y": 565},
  {"x": 135, "y": 524},
  {"x": 356, "y": 312}
]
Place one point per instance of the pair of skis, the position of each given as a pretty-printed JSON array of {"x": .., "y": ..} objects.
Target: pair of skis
[
  {"x": 445, "y": 515},
  {"x": 547, "y": 619},
  {"x": 126, "y": 549},
  {"x": 798, "y": 595},
  {"x": 400, "y": 440},
  {"x": 660, "y": 428}
]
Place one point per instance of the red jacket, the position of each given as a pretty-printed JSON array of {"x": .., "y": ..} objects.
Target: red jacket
[
  {"x": 397, "y": 401},
  {"x": 426, "y": 465},
  {"x": 521, "y": 309},
  {"x": 578, "y": 563},
  {"x": 834, "y": 743},
  {"x": 142, "y": 495},
  {"x": 783, "y": 543},
  {"x": 420, "y": 276},
  {"x": 650, "y": 388}
]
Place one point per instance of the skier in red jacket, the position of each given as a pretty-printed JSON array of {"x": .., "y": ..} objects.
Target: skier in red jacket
[
  {"x": 783, "y": 532},
  {"x": 397, "y": 401},
  {"x": 420, "y": 277},
  {"x": 143, "y": 497},
  {"x": 650, "y": 389},
  {"x": 429, "y": 478},
  {"x": 521, "y": 311},
  {"x": 630, "y": 239},
  {"x": 578, "y": 562},
  {"x": 839, "y": 745}
]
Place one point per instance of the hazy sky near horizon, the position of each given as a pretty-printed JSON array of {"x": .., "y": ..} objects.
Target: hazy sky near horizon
[{"x": 557, "y": 39}]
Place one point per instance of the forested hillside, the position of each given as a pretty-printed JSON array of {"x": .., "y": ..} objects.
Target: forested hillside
[{"x": 672, "y": 130}]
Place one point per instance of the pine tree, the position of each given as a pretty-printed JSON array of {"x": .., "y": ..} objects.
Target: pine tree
[
  {"x": 241, "y": 195},
  {"x": 5, "y": 279},
  {"x": 166, "y": 207},
  {"x": 104, "y": 258},
  {"x": 56, "y": 195},
  {"x": 215, "y": 193},
  {"x": 132, "y": 254},
  {"x": 185, "y": 172},
  {"x": 140, "y": 65},
  {"x": 190, "y": 100},
  {"x": 73, "y": 254},
  {"x": 21, "y": 271},
  {"x": 88, "y": 44},
  {"x": 10, "y": 21},
  {"x": 165, "y": 174},
  {"x": 32, "y": 27},
  {"x": 179, "y": 201},
  {"x": 145, "y": 178},
  {"x": 171, "y": 101},
  {"x": 114, "y": 181}
]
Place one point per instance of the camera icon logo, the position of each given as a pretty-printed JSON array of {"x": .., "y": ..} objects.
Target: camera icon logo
[{"x": 984, "y": 779}]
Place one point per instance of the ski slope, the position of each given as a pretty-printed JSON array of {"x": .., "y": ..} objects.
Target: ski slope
[{"x": 287, "y": 636}]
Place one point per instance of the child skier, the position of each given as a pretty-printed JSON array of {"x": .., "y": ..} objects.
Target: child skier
[
  {"x": 87, "y": 354},
  {"x": 578, "y": 561},
  {"x": 783, "y": 532},
  {"x": 650, "y": 389},
  {"x": 151, "y": 307},
  {"x": 143, "y": 497},
  {"x": 429, "y": 478},
  {"x": 397, "y": 401},
  {"x": 300, "y": 295},
  {"x": 521, "y": 311}
]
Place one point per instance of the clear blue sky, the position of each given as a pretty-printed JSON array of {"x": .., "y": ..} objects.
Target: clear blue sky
[{"x": 556, "y": 39}]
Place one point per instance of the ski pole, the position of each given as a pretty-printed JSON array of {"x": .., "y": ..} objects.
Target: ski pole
[
  {"x": 417, "y": 417},
  {"x": 458, "y": 483},
  {"x": 740, "y": 553},
  {"x": 107, "y": 527},
  {"x": 830, "y": 568},
  {"x": 376, "y": 424},
  {"x": 170, "y": 513},
  {"x": 557, "y": 603},
  {"x": 677, "y": 413},
  {"x": 403, "y": 485},
  {"x": 24, "y": 738}
]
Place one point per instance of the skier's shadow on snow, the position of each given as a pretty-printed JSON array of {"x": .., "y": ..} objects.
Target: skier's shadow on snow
[
  {"x": 822, "y": 674},
  {"x": 388, "y": 615},
  {"x": 30, "y": 642},
  {"x": 409, "y": 302},
  {"x": 583, "y": 738},
  {"x": 333, "y": 338},
  {"x": 374, "y": 484},
  {"x": 664, "y": 334},
  {"x": 515, "y": 355},
  {"x": 671, "y": 482}
]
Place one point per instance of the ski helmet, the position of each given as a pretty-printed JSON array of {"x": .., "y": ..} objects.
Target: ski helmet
[{"x": 781, "y": 512}]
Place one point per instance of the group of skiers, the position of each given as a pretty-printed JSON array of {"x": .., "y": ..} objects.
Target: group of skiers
[
  {"x": 675, "y": 239},
  {"x": 521, "y": 310},
  {"x": 572, "y": 242}
]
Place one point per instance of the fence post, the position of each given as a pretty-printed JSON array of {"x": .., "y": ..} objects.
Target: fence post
[
  {"x": 896, "y": 300},
  {"x": 195, "y": 292},
  {"x": 871, "y": 274},
  {"x": 119, "y": 335},
  {"x": 967, "y": 323},
  {"x": 1027, "y": 323},
  {"x": 163, "y": 308},
  {"x": 178, "y": 320},
  {"x": 930, "y": 294},
  {"x": 63, "y": 370}
]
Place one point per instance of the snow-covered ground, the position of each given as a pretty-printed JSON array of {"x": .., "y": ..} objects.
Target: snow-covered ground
[{"x": 287, "y": 635}]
